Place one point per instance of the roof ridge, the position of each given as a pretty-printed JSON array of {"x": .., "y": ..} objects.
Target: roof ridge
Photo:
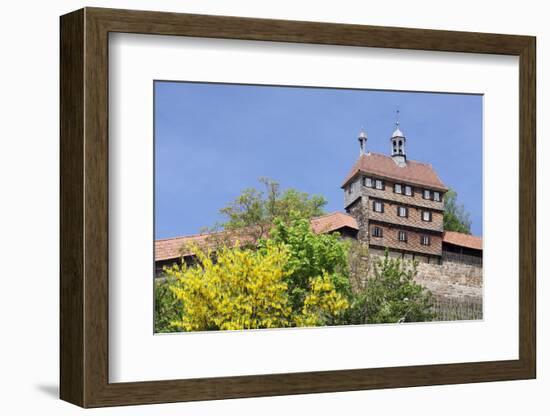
[
  {"x": 191, "y": 235},
  {"x": 465, "y": 234},
  {"x": 327, "y": 215},
  {"x": 389, "y": 157}
]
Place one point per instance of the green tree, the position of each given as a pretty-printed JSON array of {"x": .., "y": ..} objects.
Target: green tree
[
  {"x": 390, "y": 295},
  {"x": 167, "y": 307},
  {"x": 310, "y": 255},
  {"x": 455, "y": 217},
  {"x": 256, "y": 210}
]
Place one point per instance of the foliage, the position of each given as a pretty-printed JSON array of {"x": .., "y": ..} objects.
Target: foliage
[
  {"x": 240, "y": 288},
  {"x": 167, "y": 306},
  {"x": 455, "y": 217},
  {"x": 257, "y": 210},
  {"x": 391, "y": 295},
  {"x": 322, "y": 303},
  {"x": 310, "y": 255}
]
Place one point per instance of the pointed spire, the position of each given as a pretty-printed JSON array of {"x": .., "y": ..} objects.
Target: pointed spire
[
  {"x": 362, "y": 141},
  {"x": 397, "y": 132}
]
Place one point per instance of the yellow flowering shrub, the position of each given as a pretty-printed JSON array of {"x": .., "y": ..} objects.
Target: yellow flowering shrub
[
  {"x": 238, "y": 288},
  {"x": 322, "y": 302}
]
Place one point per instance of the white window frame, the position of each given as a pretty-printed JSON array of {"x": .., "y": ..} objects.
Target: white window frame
[
  {"x": 427, "y": 194},
  {"x": 379, "y": 182},
  {"x": 395, "y": 187},
  {"x": 378, "y": 204},
  {"x": 438, "y": 198},
  {"x": 424, "y": 212},
  {"x": 402, "y": 233},
  {"x": 367, "y": 182},
  {"x": 425, "y": 240},
  {"x": 377, "y": 232},
  {"x": 404, "y": 210},
  {"x": 410, "y": 193}
]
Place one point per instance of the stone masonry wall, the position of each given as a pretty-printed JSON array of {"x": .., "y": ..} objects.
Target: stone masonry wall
[
  {"x": 358, "y": 211},
  {"x": 452, "y": 280}
]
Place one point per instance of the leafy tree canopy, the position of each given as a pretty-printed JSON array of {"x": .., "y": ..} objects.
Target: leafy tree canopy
[
  {"x": 455, "y": 217},
  {"x": 310, "y": 255},
  {"x": 259, "y": 208}
]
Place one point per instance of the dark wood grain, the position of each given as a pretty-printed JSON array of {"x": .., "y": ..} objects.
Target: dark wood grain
[
  {"x": 71, "y": 100},
  {"x": 84, "y": 207}
]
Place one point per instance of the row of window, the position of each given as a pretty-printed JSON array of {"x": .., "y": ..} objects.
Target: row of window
[
  {"x": 378, "y": 206},
  {"x": 401, "y": 189},
  {"x": 402, "y": 236}
]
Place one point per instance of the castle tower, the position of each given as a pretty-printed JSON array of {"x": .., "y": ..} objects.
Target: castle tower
[{"x": 397, "y": 203}]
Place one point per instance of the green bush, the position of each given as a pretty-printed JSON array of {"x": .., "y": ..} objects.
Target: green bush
[
  {"x": 167, "y": 307},
  {"x": 390, "y": 295}
]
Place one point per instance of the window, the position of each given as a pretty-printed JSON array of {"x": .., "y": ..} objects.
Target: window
[
  {"x": 350, "y": 189},
  {"x": 425, "y": 240},
  {"x": 367, "y": 182},
  {"x": 402, "y": 236},
  {"x": 437, "y": 196},
  {"x": 408, "y": 190},
  {"x": 426, "y": 215},
  {"x": 397, "y": 188},
  {"x": 427, "y": 194},
  {"x": 379, "y": 184},
  {"x": 402, "y": 211},
  {"x": 376, "y": 232},
  {"x": 377, "y": 206}
]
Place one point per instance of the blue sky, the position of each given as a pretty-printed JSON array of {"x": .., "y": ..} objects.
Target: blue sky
[{"x": 214, "y": 140}]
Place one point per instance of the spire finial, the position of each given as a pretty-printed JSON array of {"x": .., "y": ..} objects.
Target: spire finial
[{"x": 397, "y": 118}]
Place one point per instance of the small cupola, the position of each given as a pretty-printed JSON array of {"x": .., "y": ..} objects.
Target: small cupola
[{"x": 398, "y": 145}]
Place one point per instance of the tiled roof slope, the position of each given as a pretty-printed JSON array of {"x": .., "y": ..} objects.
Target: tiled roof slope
[
  {"x": 171, "y": 248},
  {"x": 414, "y": 172},
  {"x": 333, "y": 222},
  {"x": 463, "y": 240}
]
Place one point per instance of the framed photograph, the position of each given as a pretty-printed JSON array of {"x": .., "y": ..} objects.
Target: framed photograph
[{"x": 255, "y": 207}]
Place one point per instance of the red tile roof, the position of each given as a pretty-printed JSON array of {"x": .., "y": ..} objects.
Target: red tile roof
[
  {"x": 333, "y": 222},
  {"x": 172, "y": 248},
  {"x": 463, "y": 240},
  {"x": 384, "y": 166}
]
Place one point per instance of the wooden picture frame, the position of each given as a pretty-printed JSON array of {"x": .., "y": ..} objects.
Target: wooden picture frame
[{"x": 84, "y": 207}]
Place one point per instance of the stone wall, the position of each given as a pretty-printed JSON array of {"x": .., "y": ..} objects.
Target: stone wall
[
  {"x": 448, "y": 280},
  {"x": 451, "y": 280}
]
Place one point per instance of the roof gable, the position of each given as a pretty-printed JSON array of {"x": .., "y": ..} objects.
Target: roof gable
[{"x": 381, "y": 165}]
